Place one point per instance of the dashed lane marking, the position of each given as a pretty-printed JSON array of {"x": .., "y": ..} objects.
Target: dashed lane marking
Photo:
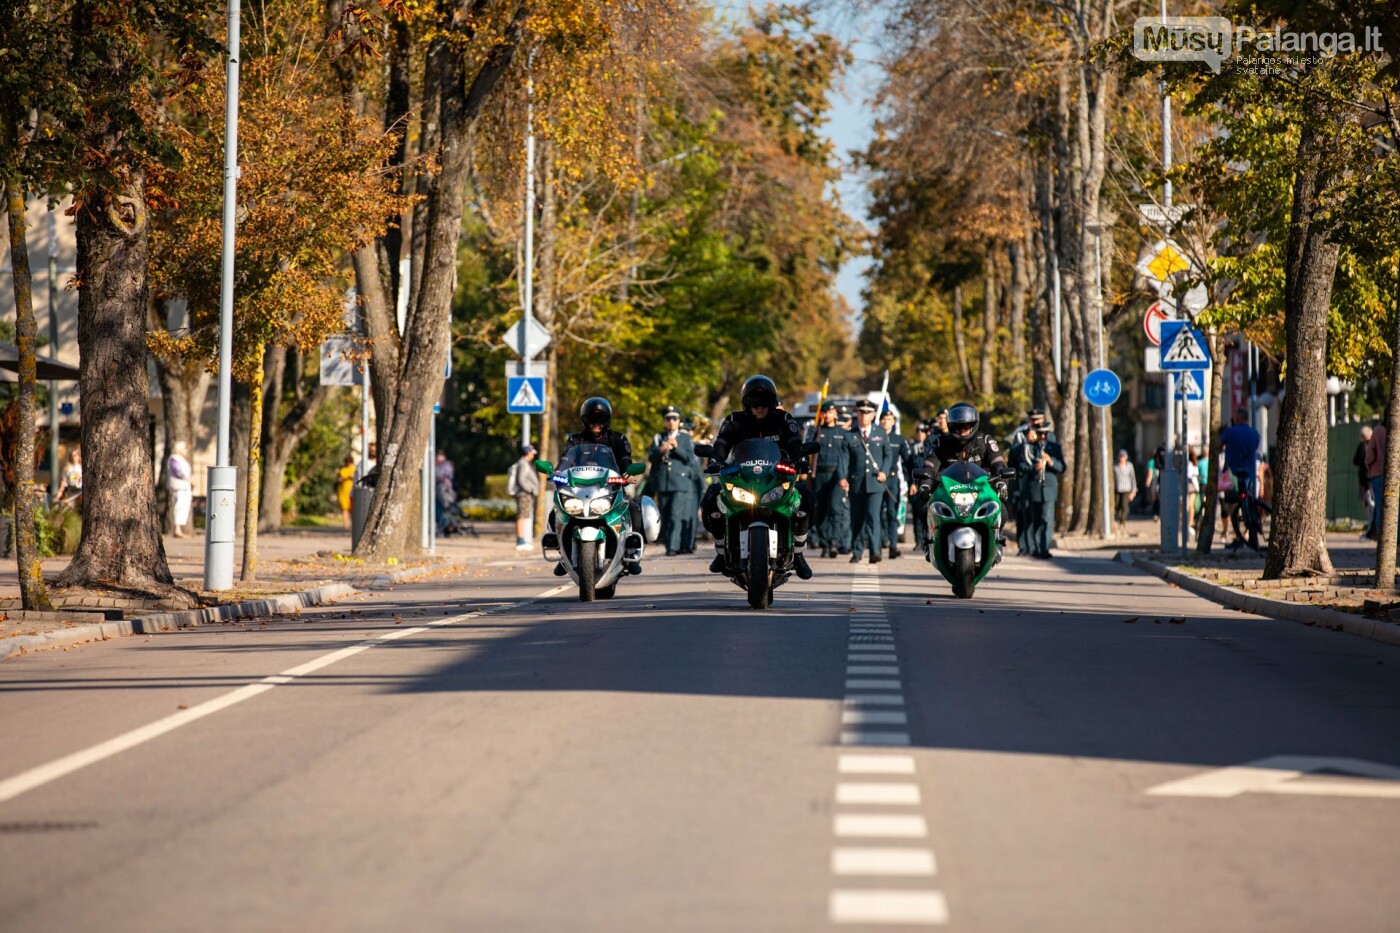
[
  {"x": 880, "y": 861},
  {"x": 889, "y": 907}
]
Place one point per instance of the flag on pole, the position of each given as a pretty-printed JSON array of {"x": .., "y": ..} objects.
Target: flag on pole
[{"x": 885, "y": 395}]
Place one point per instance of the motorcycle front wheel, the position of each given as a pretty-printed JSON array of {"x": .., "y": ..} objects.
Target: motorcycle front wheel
[
  {"x": 964, "y": 573},
  {"x": 760, "y": 592},
  {"x": 587, "y": 571}
]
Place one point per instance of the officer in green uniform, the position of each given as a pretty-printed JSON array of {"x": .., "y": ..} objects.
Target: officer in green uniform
[
  {"x": 829, "y": 483},
  {"x": 673, "y": 467}
]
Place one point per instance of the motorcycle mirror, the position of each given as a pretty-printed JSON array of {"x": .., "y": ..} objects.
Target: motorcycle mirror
[
  {"x": 635, "y": 469},
  {"x": 811, "y": 447},
  {"x": 544, "y": 466},
  {"x": 704, "y": 450}
]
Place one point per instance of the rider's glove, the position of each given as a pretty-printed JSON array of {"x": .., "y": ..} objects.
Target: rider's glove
[
  {"x": 1002, "y": 490},
  {"x": 714, "y": 466}
]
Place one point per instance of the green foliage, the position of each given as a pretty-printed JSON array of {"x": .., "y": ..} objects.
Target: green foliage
[{"x": 311, "y": 472}]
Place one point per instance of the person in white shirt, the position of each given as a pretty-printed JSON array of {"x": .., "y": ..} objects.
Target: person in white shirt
[{"x": 177, "y": 482}]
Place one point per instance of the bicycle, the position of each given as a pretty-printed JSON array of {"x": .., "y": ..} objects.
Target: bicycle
[{"x": 1248, "y": 512}]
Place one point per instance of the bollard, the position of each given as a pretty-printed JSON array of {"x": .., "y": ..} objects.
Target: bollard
[
  {"x": 360, "y": 497},
  {"x": 219, "y": 523}
]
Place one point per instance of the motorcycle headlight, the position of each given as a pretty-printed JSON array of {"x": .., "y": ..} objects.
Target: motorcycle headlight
[
  {"x": 773, "y": 495},
  {"x": 987, "y": 510},
  {"x": 942, "y": 511},
  {"x": 741, "y": 495},
  {"x": 964, "y": 501},
  {"x": 573, "y": 505}
]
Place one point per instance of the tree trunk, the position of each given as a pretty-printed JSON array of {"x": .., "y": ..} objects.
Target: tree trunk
[
  {"x": 1297, "y": 542},
  {"x": 240, "y": 430},
  {"x": 33, "y": 594},
  {"x": 1020, "y": 284},
  {"x": 1389, "y": 530},
  {"x": 437, "y": 225},
  {"x": 255, "y": 433},
  {"x": 1210, "y": 499},
  {"x": 280, "y": 443},
  {"x": 989, "y": 329},
  {"x": 121, "y": 544},
  {"x": 960, "y": 338}
]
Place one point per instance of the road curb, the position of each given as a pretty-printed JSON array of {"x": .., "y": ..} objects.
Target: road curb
[
  {"x": 168, "y": 621},
  {"x": 383, "y": 581},
  {"x": 1259, "y": 605}
]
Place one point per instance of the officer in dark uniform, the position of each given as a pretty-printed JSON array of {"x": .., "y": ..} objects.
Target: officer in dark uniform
[
  {"x": 918, "y": 500},
  {"x": 1038, "y": 461},
  {"x": 761, "y": 417},
  {"x": 673, "y": 465},
  {"x": 830, "y": 484},
  {"x": 845, "y": 420},
  {"x": 890, "y": 509},
  {"x": 692, "y": 525},
  {"x": 964, "y": 442},
  {"x": 872, "y": 461},
  {"x": 596, "y": 415},
  {"x": 1019, "y": 506}
]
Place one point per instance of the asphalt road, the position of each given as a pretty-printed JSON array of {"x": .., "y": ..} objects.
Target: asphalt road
[{"x": 870, "y": 752}]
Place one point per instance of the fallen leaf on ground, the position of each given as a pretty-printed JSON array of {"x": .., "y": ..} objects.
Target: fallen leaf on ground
[
  {"x": 1130, "y": 621},
  {"x": 1180, "y": 621}
]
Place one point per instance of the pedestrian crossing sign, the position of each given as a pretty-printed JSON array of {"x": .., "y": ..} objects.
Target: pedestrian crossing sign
[
  {"x": 525, "y": 395},
  {"x": 1190, "y": 387},
  {"x": 1183, "y": 347}
]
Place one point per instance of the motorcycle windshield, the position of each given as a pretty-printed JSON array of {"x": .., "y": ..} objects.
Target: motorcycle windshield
[
  {"x": 964, "y": 473},
  {"x": 589, "y": 455},
  {"x": 758, "y": 452}
]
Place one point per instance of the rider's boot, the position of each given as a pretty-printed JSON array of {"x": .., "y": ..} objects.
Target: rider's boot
[
  {"x": 717, "y": 565},
  {"x": 799, "y": 560},
  {"x": 559, "y": 570}
]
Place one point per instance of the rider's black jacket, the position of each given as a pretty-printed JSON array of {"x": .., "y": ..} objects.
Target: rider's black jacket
[
  {"x": 779, "y": 427},
  {"x": 981, "y": 448},
  {"x": 621, "y": 448}
]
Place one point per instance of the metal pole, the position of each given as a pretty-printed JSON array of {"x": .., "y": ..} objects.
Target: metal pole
[
  {"x": 1055, "y": 316},
  {"x": 55, "y": 468},
  {"x": 528, "y": 304},
  {"x": 429, "y": 490},
  {"x": 1105, "y": 471},
  {"x": 432, "y": 446},
  {"x": 222, "y": 497},
  {"x": 1171, "y": 478}
]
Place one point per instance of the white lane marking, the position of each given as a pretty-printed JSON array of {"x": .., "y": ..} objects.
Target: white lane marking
[
  {"x": 864, "y": 737},
  {"x": 881, "y": 683},
  {"x": 867, "y": 717},
  {"x": 888, "y": 907},
  {"x": 882, "y": 861},
  {"x": 879, "y": 826},
  {"x": 1280, "y": 774},
  {"x": 901, "y": 794},
  {"x": 872, "y": 669},
  {"x": 875, "y": 699},
  {"x": 875, "y": 764},
  {"x": 43, "y": 774}
]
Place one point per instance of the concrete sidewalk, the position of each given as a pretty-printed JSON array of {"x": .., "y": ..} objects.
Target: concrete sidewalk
[{"x": 297, "y": 567}]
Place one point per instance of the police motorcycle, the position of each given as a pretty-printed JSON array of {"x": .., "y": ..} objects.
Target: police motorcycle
[
  {"x": 964, "y": 522},
  {"x": 591, "y": 524},
  {"x": 758, "y": 497}
]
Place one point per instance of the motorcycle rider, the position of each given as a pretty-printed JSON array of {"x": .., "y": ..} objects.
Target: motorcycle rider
[
  {"x": 761, "y": 417},
  {"x": 596, "y": 415},
  {"x": 963, "y": 442}
]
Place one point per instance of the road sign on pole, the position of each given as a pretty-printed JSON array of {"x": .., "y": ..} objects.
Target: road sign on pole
[
  {"x": 1183, "y": 347},
  {"x": 1190, "y": 387},
  {"x": 1163, "y": 215},
  {"x": 536, "y": 338},
  {"x": 1102, "y": 387},
  {"x": 525, "y": 395},
  {"x": 1152, "y": 319}
]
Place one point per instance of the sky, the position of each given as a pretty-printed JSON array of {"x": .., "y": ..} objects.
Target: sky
[{"x": 851, "y": 121}]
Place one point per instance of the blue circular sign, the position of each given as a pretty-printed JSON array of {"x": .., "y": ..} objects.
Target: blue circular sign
[{"x": 1102, "y": 387}]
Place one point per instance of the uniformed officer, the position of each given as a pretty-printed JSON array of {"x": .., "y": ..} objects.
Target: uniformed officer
[
  {"x": 1020, "y": 506},
  {"x": 890, "y": 508},
  {"x": 872, "y": 460},
  {"x": 830, "y": 483},
  {"x": 673, "y": 465},
  {"x": 845, "y": 420},
  {"x": 692, "y": 525},
  {"x": 918, "y": 500}
]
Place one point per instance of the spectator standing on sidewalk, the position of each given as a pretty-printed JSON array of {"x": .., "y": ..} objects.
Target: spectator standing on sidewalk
[
  {"x": 71, "y": 481},
  {"x": 1375, "y": 472},
  {"x": 1363, "y": 478},
  {"x": 1124, "y": 487},
  {"x": 344, "y": 483},
  {"x": 445, "y": 482},
  {"x": 523, "y": 483},
  {"x": 177, "y": 483}
]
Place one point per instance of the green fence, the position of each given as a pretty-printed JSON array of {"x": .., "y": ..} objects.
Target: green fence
[{"x": 1343, "y": 489}]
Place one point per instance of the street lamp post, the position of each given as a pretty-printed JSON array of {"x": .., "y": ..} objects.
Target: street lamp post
[
  {"x": 1097, "y": 227},
  {"x": 222, "y": 501}
]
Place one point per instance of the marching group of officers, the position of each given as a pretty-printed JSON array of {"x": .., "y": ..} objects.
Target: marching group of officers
[{"x": 856, "y": 484}]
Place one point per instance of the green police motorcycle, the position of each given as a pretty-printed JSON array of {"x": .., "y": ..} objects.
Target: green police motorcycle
[
  {"x": 964, "y": 520},
  {"x": 591, "y": 525},
  {"x": 758, "y": 496}
]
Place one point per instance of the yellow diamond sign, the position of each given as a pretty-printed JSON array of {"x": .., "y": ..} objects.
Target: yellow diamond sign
[{"x": 1168, "y": 260}]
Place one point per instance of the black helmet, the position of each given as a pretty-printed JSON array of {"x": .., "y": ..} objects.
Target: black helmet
[
  {"x": 962, "y": 415},
  {"x": 596, "y": 411},
  {"x": 760, "y": 392}
]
